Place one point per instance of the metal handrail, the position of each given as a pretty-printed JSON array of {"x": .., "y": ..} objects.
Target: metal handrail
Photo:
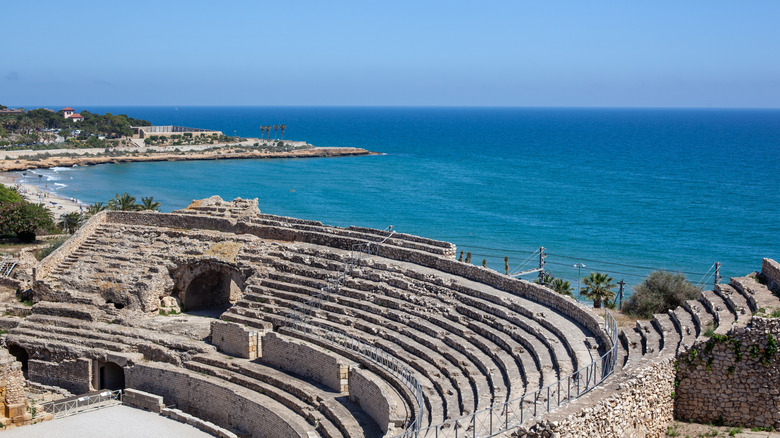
[
  {"x": 84, "y": 403},
  {"x": 487, "y": 422},
  {"x": 377, "y": 355},
  {"x": 498, "y": 418}
]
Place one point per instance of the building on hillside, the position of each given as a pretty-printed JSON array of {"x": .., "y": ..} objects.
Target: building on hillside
[
  {"x": 169, "y": 130},
  {"x": 10, "y": 112},
  {"x": 71, "y": 114}
]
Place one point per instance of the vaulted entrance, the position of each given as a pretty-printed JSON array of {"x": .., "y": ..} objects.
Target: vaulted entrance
[{"x": 208, "y": 287}]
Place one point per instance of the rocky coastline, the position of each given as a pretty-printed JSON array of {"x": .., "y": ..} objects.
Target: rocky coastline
[{"x": 11, "y": 165}]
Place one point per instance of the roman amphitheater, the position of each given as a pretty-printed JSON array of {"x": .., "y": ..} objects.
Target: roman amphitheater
[{"x": 254, "y": 325}]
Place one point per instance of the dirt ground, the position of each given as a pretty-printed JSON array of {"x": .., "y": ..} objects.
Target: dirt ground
[{"x": 694, "y": 430}]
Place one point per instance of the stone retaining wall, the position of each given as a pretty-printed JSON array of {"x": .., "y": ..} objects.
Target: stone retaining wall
[
  {"x": 228, "y": 405},
  {"x": 771, "y": 270},
  {"x": 635, "y": 404},
  {"x": 143, "y": 400},
  {"x": 306, "y": 360},
  {"x": 75, "y": 375},
  {"x": 732, "y": 379},
  {"x": 377, "y": 399},
  {"x": 235, "y": 339}
]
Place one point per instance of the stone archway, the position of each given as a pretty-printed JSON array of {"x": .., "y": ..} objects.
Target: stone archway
[
  {"x": 208, "y": 286},
  {"x": 109, "y": 376},
  {"x": 21, "y": 355}
]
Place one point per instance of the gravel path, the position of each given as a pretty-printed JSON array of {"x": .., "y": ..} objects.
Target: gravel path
[{"x": 115, "y": 422}]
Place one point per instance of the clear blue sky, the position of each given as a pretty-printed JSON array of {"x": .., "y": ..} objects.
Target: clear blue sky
[{"x": 698, "y": 53}]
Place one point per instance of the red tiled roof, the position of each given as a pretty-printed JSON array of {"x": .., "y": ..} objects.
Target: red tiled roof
[
  {"x": 75, "y": 116},
  {"x": 67, "y": 109}
]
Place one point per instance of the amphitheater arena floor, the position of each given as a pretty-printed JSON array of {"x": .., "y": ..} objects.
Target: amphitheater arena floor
[{"x": 115, "y": 422}]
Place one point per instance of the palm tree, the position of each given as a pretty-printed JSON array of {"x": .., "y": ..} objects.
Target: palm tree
[
  {"x": 150, "y": 204},
  {"x": 262, "y": 132},
  {"x": 276, "y": 129},
  {"x": 70, "y": 221},
  {"x": 282, "y": 128},
  {"x": 95, "y": 208},
  {"x": 598, "y": 287},
  {"x": 123, "y": 202},
  {"x": 561, "y": 286}
]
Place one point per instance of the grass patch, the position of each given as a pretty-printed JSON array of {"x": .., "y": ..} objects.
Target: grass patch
[{"x": 50, "y": 248}]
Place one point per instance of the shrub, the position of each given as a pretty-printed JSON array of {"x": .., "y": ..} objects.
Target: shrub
[
  {"x": 25, "y": 219},
  {"x": 48, "y": 249},
  {"x": 659, "y": 292}
]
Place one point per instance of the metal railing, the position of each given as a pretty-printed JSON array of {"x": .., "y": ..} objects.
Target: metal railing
[
  {"x": 6, "y": 266},
  {"x": 501, "y": 417},
  {"x": 484, "y": 423},
  {"x": 378, "y": 356},
  {"x": 86, "y": 403}
]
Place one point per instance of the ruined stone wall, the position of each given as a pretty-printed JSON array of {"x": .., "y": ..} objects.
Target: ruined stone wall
[
  {"x": 637, "y": 404},
  {"x": 83, "y": 233},
  {"x": 235, "y": 339},
  {"x": 771, "y": 270},
  {"x": 223, "y": 403},
  {"x": 733, "y": 378},
  {"x": 557, "y": 302},
  {"x": 11, "y": 381},
  {"x": 75, "y": 375},
  {"x": 376, "y": 398},
  {"x": 305, "y": 360}
]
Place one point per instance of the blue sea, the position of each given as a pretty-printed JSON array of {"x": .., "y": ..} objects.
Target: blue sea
[{"x": 622, "y": 191}]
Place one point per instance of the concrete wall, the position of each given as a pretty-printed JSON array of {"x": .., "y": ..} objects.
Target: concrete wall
[
  {"x": 377, "y": 399},
  {"x": 306, "y": 360},
  {"x": 635, "y": 404},
  {"x": 235, "y": 339},
  {"x": 75, "y": 375},
  {"x": 223, "y": 403},
  {"x": 734, "y": 379},
  {"x": 771, "y": 270}
]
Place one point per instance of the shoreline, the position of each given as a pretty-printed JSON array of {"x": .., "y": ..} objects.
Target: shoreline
[
  {"x": 59, "y": 204},
  {"x": 10, "y": 165},
  {"x": 56, "y": 203}
]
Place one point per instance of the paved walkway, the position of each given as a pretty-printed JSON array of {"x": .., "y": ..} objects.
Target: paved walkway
[{"x": 115, "y": 422}]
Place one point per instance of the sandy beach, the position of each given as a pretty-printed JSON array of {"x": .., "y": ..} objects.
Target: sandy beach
[{"x": 58, "y": 205}]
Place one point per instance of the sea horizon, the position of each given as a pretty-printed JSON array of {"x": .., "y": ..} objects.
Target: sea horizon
[{"x": 665, "y": 163}]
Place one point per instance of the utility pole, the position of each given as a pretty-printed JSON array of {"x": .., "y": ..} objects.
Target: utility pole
[
  {"x": 717, "y": 273},
  {"x": 579, "y": 266},
  {"x": 542, "y": 256},
  {"x": 620, "y": 294}
]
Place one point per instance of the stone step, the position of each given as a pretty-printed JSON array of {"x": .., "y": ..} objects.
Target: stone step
[
  {"x": 403, "y": 347},
  {"x": 670, "y": 335},
  {"x": 652, "y": 340},
  {"x": 322, "y": 424},
  {"x": 702, "y": 317},
  {"x": 758, "y": 295},
  {"x": 552, "y": 321},
  {"x": 724, "y": 317},
  {"x": 735, "y": 301},
  {"x": 348, "y": 417},
  {"x": 686, "y": 326},
  {"x": 633, "y": 345},
  {"x": 424, "y": 331}
]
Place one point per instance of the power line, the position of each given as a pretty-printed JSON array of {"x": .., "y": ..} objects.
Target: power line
[{"x": 574, "y": 258}]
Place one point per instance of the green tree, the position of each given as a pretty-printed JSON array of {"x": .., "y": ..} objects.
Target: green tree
[
  {"x": 659, "y": 292},
  {"x": 70, "y": 221},
  {"x": 25, "y": 219},
  {"x": 598, "y": 287},
  {"x": 282, "y": 128},
  {"x": 561, "y": 286},
  {"x": 123, "y": 202},
  {"x": 276, "y": 129},
  {"x": 150, "y": 204},
  {"x": 9, "y": 194}
]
